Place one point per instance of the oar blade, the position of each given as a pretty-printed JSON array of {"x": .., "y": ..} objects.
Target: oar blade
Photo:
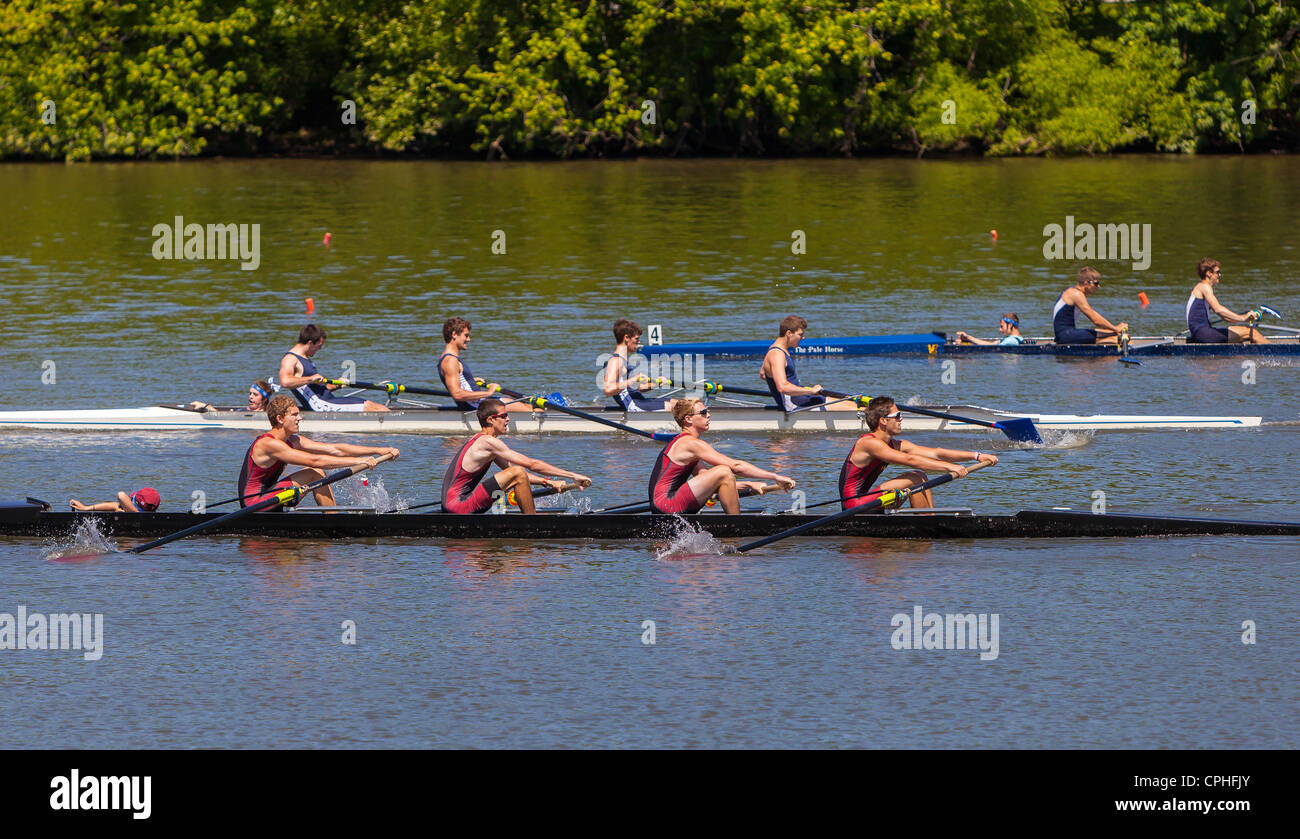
[
  {"x": 87, "y": 557},
  {"x": 1020, "y": 430}
]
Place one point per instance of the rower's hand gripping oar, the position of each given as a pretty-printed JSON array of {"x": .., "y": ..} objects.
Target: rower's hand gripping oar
[
  {"x": 539, "y": 491},
  {"x": 286, "y": 496},
  {"x": 643, "y": 506},
  {"x": 546, "y": 404},
  {"x": 893, "y": 496},
  {"x": 1124, "y": 356}
]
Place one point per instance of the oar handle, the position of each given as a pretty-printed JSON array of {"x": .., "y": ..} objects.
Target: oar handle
[
  {"x": 887, "y": 497},
  {"x": 391, "y": 388},
  {"x": 542, "y": 403},
  {"x": 642, "y": 506},
  {"x": 718, "y": 387}
]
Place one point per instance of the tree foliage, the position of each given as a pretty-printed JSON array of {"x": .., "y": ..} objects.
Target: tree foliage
[{"x": 171, "y": 78}]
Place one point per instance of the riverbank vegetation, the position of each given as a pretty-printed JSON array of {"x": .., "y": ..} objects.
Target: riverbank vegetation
[{"x": 85, "y": 79}]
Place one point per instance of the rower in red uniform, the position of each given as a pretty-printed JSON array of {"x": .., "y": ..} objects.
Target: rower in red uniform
[
  {"x": 282, "y": 445},
  {"x": 880, "y": 447},
  {"x": 143, "y": 500},
  {"x": 464, "y": 490},
  {"x": 689, "y": 471}
]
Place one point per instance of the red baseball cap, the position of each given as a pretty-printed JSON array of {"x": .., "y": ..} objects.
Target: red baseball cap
[{"x": 146, "y": 498}]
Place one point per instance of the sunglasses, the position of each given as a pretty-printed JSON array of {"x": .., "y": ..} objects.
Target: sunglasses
[
  {"x": 703, "y": 412},
  {"x": 502, "y": 415},
  {"x": 895, "y": 415}
]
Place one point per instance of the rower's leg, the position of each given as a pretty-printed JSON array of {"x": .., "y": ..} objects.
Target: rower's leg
[
  {"x": 324, "y": 495},
  {"x": 374, "y": 407},
  {"x": 516, "y": 478},
  {"x": 920, "y": 500},
  {"x": 719, "y": 479},
  {"x": 1245, "y": 335}
]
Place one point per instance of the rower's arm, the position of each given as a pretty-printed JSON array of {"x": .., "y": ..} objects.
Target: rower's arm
[
  {"x": 967, "y": 338},
  {"x": 713, "y": 457},
  {"x": 338, "y": 449},
  {"x": 290, "y": 378},
  {"x": 285, "y": 453},
  {"x": 783, "y": 385},
  {"x": 1081, "y": 304},
  {"x": 908, "y": 454},
  {"x": 1221, "y": 310},
  {"x": 507, "y": 455},
  {"x": 613, "y": 384},
  {"x": 451, "y": 374},
  {"x": 950, "y": 455}
]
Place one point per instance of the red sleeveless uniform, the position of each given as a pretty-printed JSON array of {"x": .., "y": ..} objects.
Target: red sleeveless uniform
[
  {"x": 256, "y": 483},
  {"x": 465, "y": 492},
  {"x": 669, "y": 492},
  {"x": 855, "y": 480}
]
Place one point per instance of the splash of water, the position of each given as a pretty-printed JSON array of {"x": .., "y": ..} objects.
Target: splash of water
[
  {"x": 86, "y": 539},
  {"x": 687, "y": 541},
  {"x": 369, "y": 492}
]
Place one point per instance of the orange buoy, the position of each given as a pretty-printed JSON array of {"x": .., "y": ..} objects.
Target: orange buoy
[
  {"x": 1142, "y": 298},
  {"x": 994, "y": 234},
  {"x": 327, "y": 240},
  {"x": 311, "y": 305}
]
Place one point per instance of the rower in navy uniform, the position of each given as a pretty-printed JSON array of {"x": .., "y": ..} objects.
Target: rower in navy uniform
[
  {"x": 1076, "y": 297},
  {"x": 1203, "y": 300},
  {"x": 626, "y": 389},
  {"x": 782, "y": 381},
  {"x": 456, "y": 376},
  {"x": 881, "y": 446},
  {"x": 298, "y": 375}
]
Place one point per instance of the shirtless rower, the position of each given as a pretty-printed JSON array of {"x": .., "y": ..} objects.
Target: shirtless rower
[
  {"x": 627, "y": 389},
  {"x": 464, "y": 490},
  {"x": 1076, "y": 297},
  {"x": 881, "y": 446},
  {"x": 456, "y": 376},
  {"x": 689, "y": 471},
  {"x": 283, "y": 446},
  {"x": 783, "y": 383},
  {"x": 1008, "y": 333},
  {"x": 298, "y": 375},
  {"x": 1203, "y": 300}
]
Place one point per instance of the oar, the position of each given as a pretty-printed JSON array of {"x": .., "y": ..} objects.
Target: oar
[
  {"x": 1124, "y": 357},
  {"x": 391, "y": 388},
  {"x": 889, "y": 497},
  {"x": 545, "y": 403},
  {"x": 643, "y": 506},
  {"x": 1019, "y": 430},
  {"x": 286, "y": 496}
]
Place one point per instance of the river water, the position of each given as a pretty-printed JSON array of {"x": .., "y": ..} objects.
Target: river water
[{"x": 232, "y": 642}]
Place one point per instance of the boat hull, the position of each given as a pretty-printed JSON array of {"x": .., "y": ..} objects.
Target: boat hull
[
  {"x": 30, "y": 520},
  {"x": 455, "y": 422},
  {"x": 935, "y": 344}
]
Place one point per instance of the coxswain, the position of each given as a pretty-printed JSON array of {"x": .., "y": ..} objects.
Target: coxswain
[
  {"x": 143, "y": 500},
  {"x": 456, "y": 376},
  {"x": 618, "y": 383},
  {"x": 258, "y": 392},
  {"x": 1076, "y": 297},
  {"x": 1203, "y": 300},
  {"x": 299, "y": 376},
  {"x": 783, "y": 383},
  {"x": 688, "y": 472},
  {"x": 1008, "y": 333},
  {"x": 881, "y": 446},
  {"x": 465, "y": 490},
  {"x": 259, "y": 478}
]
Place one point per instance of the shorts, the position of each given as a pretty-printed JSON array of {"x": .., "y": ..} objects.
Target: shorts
[
  {"x": 1209, "y": 335},
  {"x": 480, "y": 500},
  {"x": 336, "y": 403},
  {"x": 279, "y": 487},
  {"x": 875, "y": 493},
  {"x": 1076, "y": 336},
  {"x": 681, "y": 501},
  {"x": 636, "y": 405}
]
